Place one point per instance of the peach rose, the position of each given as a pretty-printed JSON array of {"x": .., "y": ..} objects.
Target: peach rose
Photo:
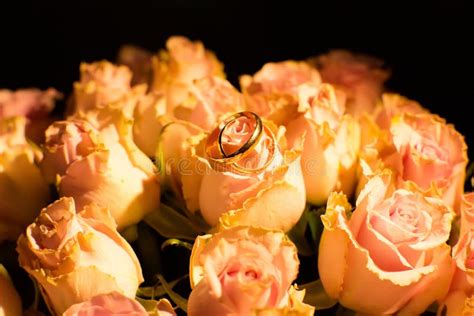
[
  {"x": 103, "y": 83},
  {"x": 115, "y": 303},
  {"x": 423, "y": 151},
  {"x": 265, "y": 187},
  {"x": 360, "y": 77},
  {"x": 77, "y": 254},
  {"x": 460, "y": 299},
  {"x": 101, "y": 164},
  {"x": 34, "y": 104},
  {"x": 209, "y": 99},
  {"x": 390, "y": 255},
  {"x": 244, "y": 271},
  {"x": 23, "y": 192},
  {"x": 331, "y": 143},
  {"x": 272, "y": 92},
  {"x": 10, "y": 303},
  {"x": 175, "y": 68},
  {"x": 138, "y": 60}
]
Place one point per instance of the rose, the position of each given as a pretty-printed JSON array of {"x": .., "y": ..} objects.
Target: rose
[
  {"x": 77, "y": 254},
  {"x": 10, "y": 303},
  {"x": 391, "y": 255},
  {"x": 33, "y": 104},
  {"x": 273, "y": 91},
  {"x": 423, "y": 151},
  {"x": 23, "y": 191},
  {"x": 359, "y": 76},
  {"x": 175, "y": 68},
  {"x": 103, "y": 83},
  {"x": 459, "y": 300},
  {"x": 138, "y": 60},
  {"x": 115, "y": 303},
  {"x": 331, "y": 143},
  {"x": 242, "y": 270},
  {"x": 208, "y": 100},
  {"x": 101, "y": 165},
  {"x": 265, "y": 187}
]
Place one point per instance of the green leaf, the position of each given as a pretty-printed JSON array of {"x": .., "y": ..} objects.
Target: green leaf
[
  {"x": 152, "y": 292},
  {"x": 151, "y": 306},
  {"x": 316, "y": 296},
  {"x": 180, "y": 301},
  {"x": 298, "y": 236},
  {"x": 169, "y": 223}
]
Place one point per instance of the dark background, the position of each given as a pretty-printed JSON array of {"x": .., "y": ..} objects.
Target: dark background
[{"x": 428, "y": 47}]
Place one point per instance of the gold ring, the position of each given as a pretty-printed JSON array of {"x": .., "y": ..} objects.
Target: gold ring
[{"x": 230, "y": 162}]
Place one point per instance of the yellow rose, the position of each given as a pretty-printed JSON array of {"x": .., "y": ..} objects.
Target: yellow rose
[
  {"x": 273, "y": 91},
  {"x": 33, "y": 104},
  {"x": 10, "y": 303},
  {"x": 175, "y": 68},
  {"x": 76, "y": 254},
  {"x": 23, "y": 192},
  {"x": 103, "y": 83},
  {"x": 263, "y": 187},
  {"x": 390, "y": 255},
  {"x": 244, "y": 271},
  {"x": 423, "y": 151},
  {"x": 331, "y": 143},
  {"x": 95, "y": 160}
]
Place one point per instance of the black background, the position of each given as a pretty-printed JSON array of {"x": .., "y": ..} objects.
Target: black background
[{"x": 428, "y": 47}]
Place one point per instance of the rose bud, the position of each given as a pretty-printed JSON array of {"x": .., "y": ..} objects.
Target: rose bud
[
  {"x": 33, "y": 104},
  {"x": 138, "y": 60},
  {"x": 77, "y": 254},
  {"x": 459, "y": 300},
  {"x": 244, "y": 271},
  {"x": 175, "y": 68},
  {"x": 115, "y": 303},
  {"x": 23, "y": 191},
  {"x": 390, "y": 255},
  {"x": 331, "y": 143},
  {"x": 10, "y": 302},
  {"x": 360, "y": 77},
  {"x": 273, "y": 91},
  {"x": 101, "y": 164},
  {"x": 422, "y": 151},
  {"x": 246, "y": 174},
  {"x": 103, "y": 83}
]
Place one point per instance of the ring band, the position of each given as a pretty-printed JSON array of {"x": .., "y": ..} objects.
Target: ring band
[{"x": 230, "y": 162}]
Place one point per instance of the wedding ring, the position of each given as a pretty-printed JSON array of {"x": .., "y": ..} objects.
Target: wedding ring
[{"x": 222, "y": 161}]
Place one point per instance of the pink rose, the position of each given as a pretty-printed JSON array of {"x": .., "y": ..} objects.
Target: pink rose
[
  {"x": 331, "y": 143},
  {"x": 243, "y": 270},
  {"x": 10, "y": 303},
  {"x": 459, "y": 300},
  {"x": 115, "y": 304},
  {"x": 360, "y": 77},
  {"x": 390, "y": 255},
  {"x": 209, "y": 100},
  {"x": 263, "y": 186},
  {"x": 138, "y": 60},
  {"x": 23, "y": 191},
  {"x": 272, "y": 92},
  {"x": 103, "y": 83},
  {"x": 175, "y": 68},
  {"x": 98, "y": 162},
  {"x": 76, "y": 254},
  {"x": 33, "y": 104},
  {"x": 423, "y": 151}
]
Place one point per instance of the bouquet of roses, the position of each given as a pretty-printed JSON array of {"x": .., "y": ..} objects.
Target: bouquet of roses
[{"x": 164, "y": 189}]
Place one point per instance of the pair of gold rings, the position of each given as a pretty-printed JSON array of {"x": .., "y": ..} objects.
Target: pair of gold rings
[{"x": 221, "y": 160}]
